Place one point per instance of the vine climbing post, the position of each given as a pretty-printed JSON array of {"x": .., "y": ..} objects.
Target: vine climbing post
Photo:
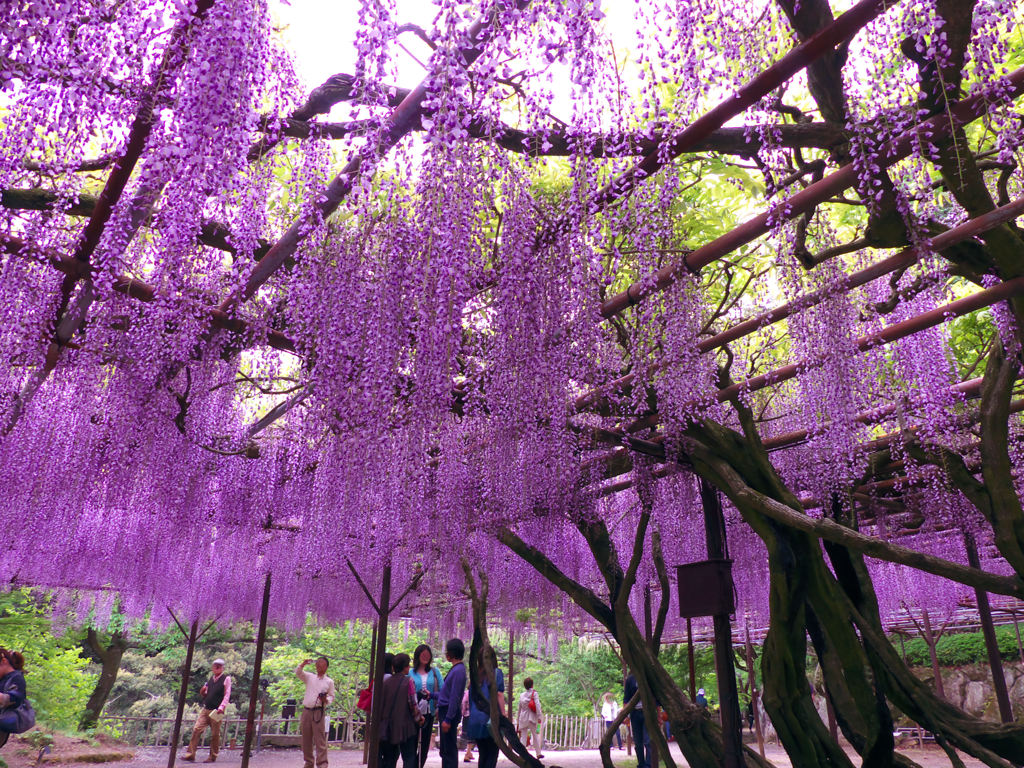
[
  {"x": 254, "y": 688},
  {"x": 690, "y": 659},
  {"x": 988, "y": 629},
  {"x": 932, "y": 640},
  {"x": 728, "y": 695}
]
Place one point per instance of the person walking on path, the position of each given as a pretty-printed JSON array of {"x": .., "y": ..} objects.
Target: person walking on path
[
  {"x": 609, "y": 711},
  {"x": 400, "y": 717},
  {"x": 319, "y": 693},
  {"x": 641, "y": 739},
  {"x": 702, "y": 700},
  {"x": 449, "y": 703},
  {"x": 427, "y": 681},
  {"x": 214, "y": 696},
  {"x": 530, "y": 717},
  {"x": 477, "y": 723}
]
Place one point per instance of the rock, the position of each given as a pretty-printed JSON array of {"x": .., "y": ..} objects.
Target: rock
[{"x": 975, "y": 698}]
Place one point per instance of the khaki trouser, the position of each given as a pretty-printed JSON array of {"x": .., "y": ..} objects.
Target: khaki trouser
[
  {"x": 532, "y": 728},
  {"x": 313, "y": 735},
  {"x": 202, "y": 724}
]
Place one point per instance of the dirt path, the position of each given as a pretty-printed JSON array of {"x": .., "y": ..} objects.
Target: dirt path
[
  {"x": 71, "y": 752},
  {"x": 930, "y": 757}
]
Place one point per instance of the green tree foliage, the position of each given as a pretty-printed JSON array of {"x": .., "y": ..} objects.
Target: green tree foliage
[
  {"x": 347, "y": 648},
  {"x": 56, "y": 674},
  {"x": 573, "y": 682}
]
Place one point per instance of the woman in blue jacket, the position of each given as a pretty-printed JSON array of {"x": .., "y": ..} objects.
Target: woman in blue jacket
[
  {"x": 476, "y": 725},
  {"x": 12, "y": 693},
  {"x": 427, "y": 681}
]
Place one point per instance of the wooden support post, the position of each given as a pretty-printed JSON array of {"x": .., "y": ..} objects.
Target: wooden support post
[
  {"x": 690, "y": 659},
  {"x": 254, "y": 688},
  {"x": 626, "y": 723},
  {"x": 186, "y": 672},
  {"x": 648, "y": 624},
  {"x": 754, "y": 693},
  {"x": 728, "y": 695},
  {"x": 920, "y": 733},
  {"x": 369, "y": 683},
  {"x": 652, "y": 749},
  {"x": 511, "y": 673},
  {"x": 988, "y": 629},
  {"x": 1016, "y": 626},
  {"x": 373, "y": 737}
]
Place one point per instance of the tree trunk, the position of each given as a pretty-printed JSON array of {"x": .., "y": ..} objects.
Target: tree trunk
[
  {"x": 839, "y": 603},
  {"x": 699, "y": 739},
  {"x": 110, "y": 659},
  {"x": 992, "y": 743}
]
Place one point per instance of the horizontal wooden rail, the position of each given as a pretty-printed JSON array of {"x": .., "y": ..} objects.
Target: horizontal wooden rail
[{"x": 560, "y": 731}]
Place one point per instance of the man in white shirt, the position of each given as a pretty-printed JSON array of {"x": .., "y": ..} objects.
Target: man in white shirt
[{"x": 319, "y": 693}]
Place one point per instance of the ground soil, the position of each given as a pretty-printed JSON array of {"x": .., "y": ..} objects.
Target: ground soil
[
  {"x": 44, "y": 748},
  {"x": 69, "y": 751}
]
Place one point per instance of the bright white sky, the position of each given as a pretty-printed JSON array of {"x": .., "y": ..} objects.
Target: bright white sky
[{"x": 320, "y": 34}]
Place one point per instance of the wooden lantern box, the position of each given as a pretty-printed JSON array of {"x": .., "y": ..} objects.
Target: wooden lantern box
[{"x": 705, "y": 589}]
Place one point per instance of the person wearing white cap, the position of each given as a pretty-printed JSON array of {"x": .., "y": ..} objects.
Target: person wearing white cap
[
  {"x": 702, "y": 700},
  {"x": 214, "y": 696}
]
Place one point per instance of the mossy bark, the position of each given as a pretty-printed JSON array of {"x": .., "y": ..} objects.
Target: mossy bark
[{"x": 840, "y": 609}]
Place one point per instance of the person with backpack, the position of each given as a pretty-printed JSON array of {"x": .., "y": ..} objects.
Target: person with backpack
[
  {"x": 427, "y": 681},
  {"x": 530, "y": 717},
  {"x": 16, "y": 714}
]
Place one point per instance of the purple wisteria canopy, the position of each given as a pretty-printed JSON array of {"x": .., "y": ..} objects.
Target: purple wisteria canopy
[{"x": 250, "y": 325}]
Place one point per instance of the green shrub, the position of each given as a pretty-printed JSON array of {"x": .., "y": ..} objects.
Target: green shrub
[{"x": 960, "y": 649}]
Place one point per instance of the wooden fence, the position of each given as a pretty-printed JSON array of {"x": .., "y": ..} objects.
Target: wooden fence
[
  {"x": 157, "y": 731},
  {"x": 560, "y": 731},
  {"x": 572, "y": 732}
]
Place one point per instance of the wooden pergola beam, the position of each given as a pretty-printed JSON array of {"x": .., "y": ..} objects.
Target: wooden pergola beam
[
  {"x": 807, "y": 199},
  {"x": 908, "y": 327},
  {"x": 905, "y": 258}
]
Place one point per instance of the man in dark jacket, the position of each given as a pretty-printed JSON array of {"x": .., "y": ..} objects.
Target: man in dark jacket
[
  {"x": 449, "y": 703},
  {"x": 641, "y": 739},
  {"x": 214, "y": 697}
]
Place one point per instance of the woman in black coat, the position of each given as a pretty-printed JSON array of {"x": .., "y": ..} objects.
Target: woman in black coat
[{"x": 399, "y": 717}]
